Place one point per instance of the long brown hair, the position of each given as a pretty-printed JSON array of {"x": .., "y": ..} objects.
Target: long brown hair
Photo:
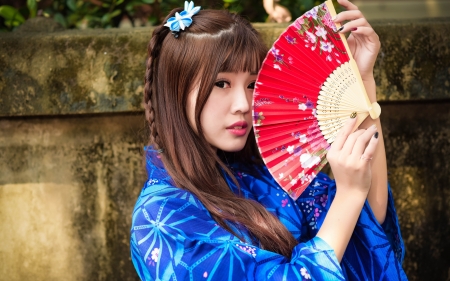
[{"x": 217, "y": 41}]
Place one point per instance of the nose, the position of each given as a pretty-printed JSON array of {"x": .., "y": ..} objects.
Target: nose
[{"x": 242, "y": 98}]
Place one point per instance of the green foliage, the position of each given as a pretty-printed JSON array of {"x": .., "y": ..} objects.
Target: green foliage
[
  {"x": 110, "y": 13},
  {"x": 11, "y": 16}
]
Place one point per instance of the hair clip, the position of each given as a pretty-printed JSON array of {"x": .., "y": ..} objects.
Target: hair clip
[{"x": 183, "y": 19}]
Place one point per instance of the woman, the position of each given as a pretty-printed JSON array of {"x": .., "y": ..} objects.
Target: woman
[{"x": 210, "y": 209}]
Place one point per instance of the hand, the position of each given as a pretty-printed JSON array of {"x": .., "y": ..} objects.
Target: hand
[
  {"x": 350, "y": 158},
  {"x": 280, "y": 14},
  {"x": 363, "y": 42}
]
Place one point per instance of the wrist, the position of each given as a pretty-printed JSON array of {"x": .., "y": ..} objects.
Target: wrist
[
  {"x": 351, "y": 195},
  {"x": 371, "y": 88},
  {"x": 368, "y": 78}
]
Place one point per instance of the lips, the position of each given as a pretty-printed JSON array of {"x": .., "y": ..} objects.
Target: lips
[
  {"x": 238, "y": 125},
  {"x": 238, "y": 129}
]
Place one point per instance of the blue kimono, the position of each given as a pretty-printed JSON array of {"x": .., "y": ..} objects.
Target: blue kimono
[{"x": 173, "y": 236}]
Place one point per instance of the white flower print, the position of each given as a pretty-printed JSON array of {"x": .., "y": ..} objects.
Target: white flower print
[
  {"x": 303, "y": 139},
  {"x": 291, "y": 60},
  {"x": 302, "y": 106},
  {"x": 321, "y": 32},
  {"x": 155, "y": 254},
  {"x": 277, "y": 66},
  {"x": 293, "y": 181},
  {"x": 308, "y": 160},
  {"x": 298, "y": 23},
  {"x": 311, "y": 37},
  {"x": 305, "y": 273},
  {"x": 312, "y": 13},
  {"x": 280, "y": 176},
  {"x": 290, "y": 149},
  {"x": 326, "y": 46}
]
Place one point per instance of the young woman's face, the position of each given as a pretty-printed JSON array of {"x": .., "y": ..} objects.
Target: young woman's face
[{"x": 227, "y": 115}]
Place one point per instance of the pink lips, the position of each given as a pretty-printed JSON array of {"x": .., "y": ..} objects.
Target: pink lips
[{"x": 239, "y": 128}]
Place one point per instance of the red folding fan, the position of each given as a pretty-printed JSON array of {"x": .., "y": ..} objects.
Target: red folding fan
[{"x": 307, "y": 88}]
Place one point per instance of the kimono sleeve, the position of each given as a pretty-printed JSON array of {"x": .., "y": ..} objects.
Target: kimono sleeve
[
  {"x": 374, "y": 252},
  {"x": 173, "y": 238}
]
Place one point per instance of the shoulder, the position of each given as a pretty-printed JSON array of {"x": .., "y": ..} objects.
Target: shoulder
[{"x": 160, "y": 188}]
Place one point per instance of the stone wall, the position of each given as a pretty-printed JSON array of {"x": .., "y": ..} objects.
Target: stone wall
[{"x": 72, "y": 131}]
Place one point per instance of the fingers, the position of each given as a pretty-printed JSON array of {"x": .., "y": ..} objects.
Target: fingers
[
  {"x": 351, "y": 15},
  {"x": 347, "y": 5},
  {"x": 356, "y": 20},
  {"x": 360, "y": 146},
  {"x": 369, "y": 152},
  {"x": 343, "y": 134},
  {"x": 351, "y": 142}
]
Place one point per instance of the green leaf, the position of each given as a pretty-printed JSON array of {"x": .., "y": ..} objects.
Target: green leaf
[
  {"x": 32, "y": 7},
  {"x": 61, "y": 19},
  {"x": 115, "y": 13},
  {"x": 130, "y": 6},
  {"x": 10, "y": 13},
  {"x": 148, "y": 1},
  {"x": 106, "y": 18},
  {"x": 72, "y": 4}
]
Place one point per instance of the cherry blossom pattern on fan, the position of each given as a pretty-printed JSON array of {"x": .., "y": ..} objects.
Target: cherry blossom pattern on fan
[{"x": 285, "y": 98}]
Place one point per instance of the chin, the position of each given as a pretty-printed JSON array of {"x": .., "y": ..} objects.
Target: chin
[{"x": 233, "y": 147}]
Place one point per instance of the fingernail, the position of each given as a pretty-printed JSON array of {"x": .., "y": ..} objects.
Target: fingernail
[
  {"x": 376, "y": 135},
  {"x": 340, "y": 29},
  {"x": 353, "y": 115},
  {"x": 354, "y": 29},
  {"x": 374, "y": 126},
  {"x": 334, "y": 18}
]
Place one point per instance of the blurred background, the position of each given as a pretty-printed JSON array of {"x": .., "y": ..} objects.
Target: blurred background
[
  {"x": 72, "y": 127},
  {"x": 131, "y": 13}
]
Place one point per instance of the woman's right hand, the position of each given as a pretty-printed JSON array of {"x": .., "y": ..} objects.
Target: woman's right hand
[{"x": 349, "y": 158}]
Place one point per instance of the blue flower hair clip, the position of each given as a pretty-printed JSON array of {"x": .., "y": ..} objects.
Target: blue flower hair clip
[{"x": 183, "y": 19}]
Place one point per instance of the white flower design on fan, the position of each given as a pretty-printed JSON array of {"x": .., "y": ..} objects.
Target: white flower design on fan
[
  {"x": 303, "y": 139},
  {"x": 312, "y": 13},
  {"x": 326, "y": 46},
  {"x": 302, "y": 106},
  {"x": 321, "y": 32},
  {"x": 290, "y": 149},
  {"x": 308, "y": 160},
  {"x": 311, "y": 37}
]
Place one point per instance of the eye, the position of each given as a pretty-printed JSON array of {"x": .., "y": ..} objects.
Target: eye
[
  {"x": 222, "y": 84},
  {"x": 251, "y": 85}
]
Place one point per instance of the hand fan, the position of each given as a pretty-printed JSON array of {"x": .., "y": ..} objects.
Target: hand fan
[{"x": 307, "y": 88}]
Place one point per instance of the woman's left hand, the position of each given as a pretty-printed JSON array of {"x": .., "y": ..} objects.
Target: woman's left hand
[{"x": 363, "y": 41}]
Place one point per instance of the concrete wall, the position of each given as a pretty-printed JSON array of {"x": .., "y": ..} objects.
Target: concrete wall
[{"x": 72, "y": 131}]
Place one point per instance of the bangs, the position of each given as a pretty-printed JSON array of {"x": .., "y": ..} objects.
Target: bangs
[
  {"x": 243, "y": 61},
  {"x": 244, "y": 52}
]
